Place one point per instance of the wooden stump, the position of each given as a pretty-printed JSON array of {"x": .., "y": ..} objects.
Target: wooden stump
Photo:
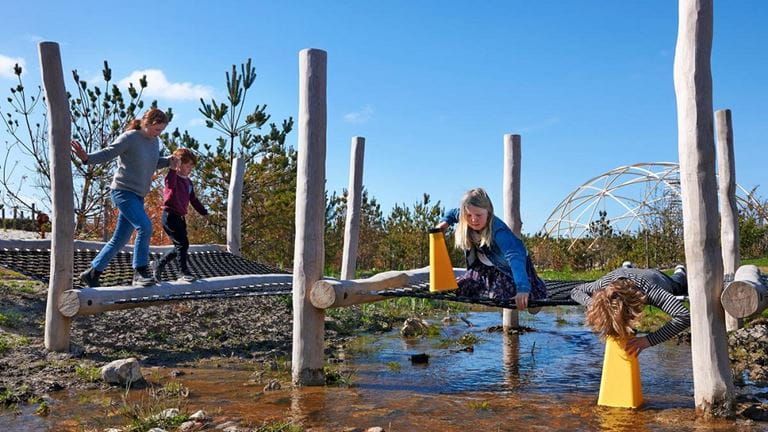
[{"x": 746, "y": 296}]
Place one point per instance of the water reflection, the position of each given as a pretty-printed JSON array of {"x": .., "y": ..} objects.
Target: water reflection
[{"x": 546, "y": 379}]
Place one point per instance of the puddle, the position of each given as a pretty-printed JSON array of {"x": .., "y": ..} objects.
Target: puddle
[{"x": 546, "y": 379}]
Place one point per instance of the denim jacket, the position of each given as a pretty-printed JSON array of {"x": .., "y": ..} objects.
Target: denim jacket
[{"x": 507, "y": 252}]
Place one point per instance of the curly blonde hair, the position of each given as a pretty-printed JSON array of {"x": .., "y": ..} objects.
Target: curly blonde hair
[{"x": 615, "y": 309}]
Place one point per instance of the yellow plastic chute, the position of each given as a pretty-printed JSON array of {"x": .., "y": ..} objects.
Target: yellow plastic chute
[{"x": 441, "y": 276}]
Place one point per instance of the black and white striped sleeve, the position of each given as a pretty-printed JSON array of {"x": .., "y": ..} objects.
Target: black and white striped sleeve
[
  {"x": 681, "y": 317},
  {"x": 582, "y": 294}
]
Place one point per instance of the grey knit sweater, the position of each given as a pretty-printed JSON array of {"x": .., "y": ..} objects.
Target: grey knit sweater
[{"x": 138, "y": 156}]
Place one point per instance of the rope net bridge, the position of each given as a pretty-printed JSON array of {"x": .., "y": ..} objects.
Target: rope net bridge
[{"x": 224, "y": 275}]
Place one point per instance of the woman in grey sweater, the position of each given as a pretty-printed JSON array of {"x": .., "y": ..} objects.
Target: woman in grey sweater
[{"x": 138, "y": 156}]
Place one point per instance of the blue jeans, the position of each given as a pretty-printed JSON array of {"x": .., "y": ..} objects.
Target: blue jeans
[{"x": 132, "y": 217}]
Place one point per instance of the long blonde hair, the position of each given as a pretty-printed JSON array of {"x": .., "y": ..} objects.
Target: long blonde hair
[
  {"x": 476, "y": 197},
  {"x": 153, "y": 116},
  {"x": 615, "y": 309}
]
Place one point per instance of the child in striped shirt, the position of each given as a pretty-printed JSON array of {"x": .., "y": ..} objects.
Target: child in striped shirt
[{"x": 615, "y": 301}]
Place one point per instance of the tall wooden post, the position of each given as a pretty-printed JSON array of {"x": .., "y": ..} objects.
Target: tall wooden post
[
  {"x": 729, "y": 212},
  {"x": 511, "y": 190},
  {"x": 354, "y": 204},
  {"x": 712, "y": 383},
  {"x": 57, "y": 326},
  {"x": 235, "y": 206},
  {"x": 308, "y": 257}
]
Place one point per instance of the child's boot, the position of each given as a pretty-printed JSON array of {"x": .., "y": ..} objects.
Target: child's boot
[
  {"x": 142, "y": 276},
  {"x": 90, "y": 277}
]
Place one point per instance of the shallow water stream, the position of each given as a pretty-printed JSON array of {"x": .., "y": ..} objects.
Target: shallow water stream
[{"x": 545, "y": 379}]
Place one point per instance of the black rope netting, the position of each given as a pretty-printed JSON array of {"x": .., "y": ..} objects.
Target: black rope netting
[
  {"x": 558, "y": 294},
  {"x": 35, "y": 263}
]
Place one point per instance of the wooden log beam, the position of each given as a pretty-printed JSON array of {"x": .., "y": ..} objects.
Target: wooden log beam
[
  {"x": 746, "y": 296},
  {"x": 309, "y": 250},
  {"x": 511, "y": 190},
  {"x": 93, "y": 245},
  {"x": 89, "y": 301},
  {"x": 354, "y": 204},
  {"x": 234, "y": 206},
  {"x": 57, "y": 326},
  {"x": 338, "y": 293},
  {"x": 712, "y": 382}
]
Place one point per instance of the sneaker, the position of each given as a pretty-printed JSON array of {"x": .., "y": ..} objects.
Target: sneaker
[
  {"x": 90, "y": 277},
  {"x": 157, "y": 270},
  {"x": 627, "y": 264},
  {"x": 143, "y": 277},
  {"x": 679, "y": 269},
  {"x": 187, "y": 277}
]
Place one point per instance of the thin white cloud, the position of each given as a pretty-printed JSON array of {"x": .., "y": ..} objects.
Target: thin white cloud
[
  {"x": 34, "y": 38},
  {"x": 158, "y": 86},
  {"x": 7, "y": 63},
  {"x": 361, "y": 116}
]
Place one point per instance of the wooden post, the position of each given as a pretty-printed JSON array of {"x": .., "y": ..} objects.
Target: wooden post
[
  {"x": 235, "y": 205},
  {"x": 354, "y": 203},
  {"x": 746, "y": 296},
  {"x": 729, "y": 211},
  {"x": 308, "y": 257},
  {"x": 57, "y": 326},
  {"x": 712, "y": 383},
  {"x": 511, "y": 190}
]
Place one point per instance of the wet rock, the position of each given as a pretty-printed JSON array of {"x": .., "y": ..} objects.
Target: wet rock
[
  {"x": 225, "y": 425},
  {"x": 414, "y": 327},
  {"x": 272, "y": 385},
  {"x": 420, "y": 358},
  {"x": 122, "y": 372},
  {"x": 200, "y": 416},
  {"x": 177, "y": 373},
  {"x": 375, "y": 429},
  {"x": 157, "y": 430},
  {"x": 112, "y": 430},
  {"x": 758, "y": 412},
  {"x": 166, "y": 414},
  {"x": 191, "y": 426},
  {"x": 448, "y": 320},
  {"x": 749, "y": 352}
]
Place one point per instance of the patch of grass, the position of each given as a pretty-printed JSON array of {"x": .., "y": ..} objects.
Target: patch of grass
[
  {"x": 9, "y": 341},
  {"x": 88, "y": 373},
  {"x": 651, "y": 319},
  {"x": 174, "y": 389},
  {"x": 480, "y": 405},
  {"x": 11, "y": 319},
  {"x": 760, "y": 262},
  {"x": 154, "y": 411},
  {"x": 279, "y": 427},
  {"x": 434, "y": 330},
  {"x": 361, "y": 345},
  {"x": 21, "y": 286},
  {"x": 336, "y": 377},
  {"x": 468, "y": 339},
  {"x": 43, "y": 409},
  {"x": 394, "y": 366},
  {"x": 571, "y": 274}
]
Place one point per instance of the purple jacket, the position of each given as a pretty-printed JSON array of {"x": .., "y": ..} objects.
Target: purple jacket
[{"x": 178, "y": 194}]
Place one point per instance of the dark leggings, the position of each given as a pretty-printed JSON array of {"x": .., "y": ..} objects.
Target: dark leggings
[{"x": 176, "y": 228}]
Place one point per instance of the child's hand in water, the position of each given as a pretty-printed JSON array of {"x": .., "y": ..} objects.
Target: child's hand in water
[{"x": 635, "y": 345}]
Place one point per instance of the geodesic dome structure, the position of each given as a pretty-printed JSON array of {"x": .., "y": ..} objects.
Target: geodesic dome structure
[{"x": 630, "y": 195}]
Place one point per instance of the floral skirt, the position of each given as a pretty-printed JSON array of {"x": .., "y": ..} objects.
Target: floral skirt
[{"x": 481, "y": 280}]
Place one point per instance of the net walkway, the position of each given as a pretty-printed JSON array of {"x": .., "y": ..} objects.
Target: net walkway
[
  {"x": 35, "y": 263},
  {"x": 558, "y": 294}
]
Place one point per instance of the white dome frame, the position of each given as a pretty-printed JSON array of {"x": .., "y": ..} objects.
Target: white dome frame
[{"x": 571, "y": 218}]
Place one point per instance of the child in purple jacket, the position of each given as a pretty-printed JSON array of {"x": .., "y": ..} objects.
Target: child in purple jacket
[{"x": 177, "y": 195}]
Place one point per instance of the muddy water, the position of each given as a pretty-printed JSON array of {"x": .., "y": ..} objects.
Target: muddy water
[{"x": 547, "y": 379}]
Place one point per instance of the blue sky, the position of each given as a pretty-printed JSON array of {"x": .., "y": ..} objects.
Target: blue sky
[{"x": 432, "y": 86}]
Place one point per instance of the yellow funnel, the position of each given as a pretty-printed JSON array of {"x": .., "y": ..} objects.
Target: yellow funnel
[
  {"x": 620, "y": 385},
  {"x": 441, "y": 277}
]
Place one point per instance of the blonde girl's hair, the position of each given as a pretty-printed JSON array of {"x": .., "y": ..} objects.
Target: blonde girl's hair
[
  {"x": 476, "y": 197},
  {"x": 615, "y": 309},
  {"x": 151, "y": 117},
  {"x": 185, "y": 155}
]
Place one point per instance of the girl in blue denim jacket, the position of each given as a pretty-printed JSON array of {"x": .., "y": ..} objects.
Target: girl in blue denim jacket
[{"x": 498, "y": 265}]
